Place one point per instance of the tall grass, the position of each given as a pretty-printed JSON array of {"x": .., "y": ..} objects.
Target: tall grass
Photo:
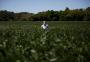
[{"x": 62, "y": 42}]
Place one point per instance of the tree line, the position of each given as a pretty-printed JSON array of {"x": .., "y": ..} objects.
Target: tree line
[{"x": 50, "y": 15}]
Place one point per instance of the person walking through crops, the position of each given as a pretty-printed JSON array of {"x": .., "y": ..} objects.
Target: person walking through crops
[{"x": 44, "y": 25}]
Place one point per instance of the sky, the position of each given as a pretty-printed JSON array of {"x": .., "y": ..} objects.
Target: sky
[{"x": 34, "y": 6}]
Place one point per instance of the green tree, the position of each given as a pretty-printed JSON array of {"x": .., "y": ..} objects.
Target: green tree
[{"x": 6, "y": 15}]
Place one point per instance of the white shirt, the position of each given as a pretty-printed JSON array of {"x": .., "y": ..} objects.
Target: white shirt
[{"x": 44, "y": 26}]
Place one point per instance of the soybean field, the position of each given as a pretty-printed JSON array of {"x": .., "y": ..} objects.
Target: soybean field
[{"x": 25, "y": 41}]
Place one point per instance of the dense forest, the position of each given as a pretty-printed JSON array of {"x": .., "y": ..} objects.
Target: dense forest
[{"x": 50, "y": 15}]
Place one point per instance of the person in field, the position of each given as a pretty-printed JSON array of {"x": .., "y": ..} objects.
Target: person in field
[{"x": 44, "y": 25}]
